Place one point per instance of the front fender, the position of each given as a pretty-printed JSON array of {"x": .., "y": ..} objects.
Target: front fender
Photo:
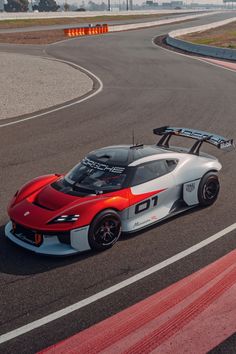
[
  {"x": 91, "y": 208},
  {"x": 31, "y": 187}
]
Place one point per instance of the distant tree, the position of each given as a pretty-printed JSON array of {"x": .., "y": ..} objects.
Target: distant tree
[
  {"x": 47, "y": 5},
  {"x": 103, "y": 6},
  {"x": 93, "y": 6},
  {"x": 66, "y": 6},
  {"x": 16, "y": 6}
]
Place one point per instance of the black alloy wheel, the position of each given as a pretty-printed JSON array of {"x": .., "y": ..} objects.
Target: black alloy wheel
[
  {"x": 208, "y": 189},
  {"x": 104, "y": 230}
]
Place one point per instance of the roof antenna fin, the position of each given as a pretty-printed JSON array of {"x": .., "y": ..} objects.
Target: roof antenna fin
[{"x": 133, "y": 138}]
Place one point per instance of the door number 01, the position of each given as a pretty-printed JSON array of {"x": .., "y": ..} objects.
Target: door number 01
[{"x": 146, "y": 204}]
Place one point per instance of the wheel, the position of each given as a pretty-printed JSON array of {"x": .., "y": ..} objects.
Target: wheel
[
  {"x": 208, "y": 189},
  {"x": 104, "y": 230}
]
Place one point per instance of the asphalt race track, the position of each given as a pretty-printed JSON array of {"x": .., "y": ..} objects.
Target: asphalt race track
[{"x": 144, "y": 87}]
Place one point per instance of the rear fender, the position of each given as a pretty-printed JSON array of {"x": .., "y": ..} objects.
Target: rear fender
[{"x": 190, "y": 190}]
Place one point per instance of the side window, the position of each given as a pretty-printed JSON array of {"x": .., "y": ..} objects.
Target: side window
[
  {"x": 171, "y": 164},
  {"x": 149, "y": 171}
]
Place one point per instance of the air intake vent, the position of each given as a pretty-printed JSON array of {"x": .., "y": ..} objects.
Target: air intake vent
[{"x": 41, "y": 206}]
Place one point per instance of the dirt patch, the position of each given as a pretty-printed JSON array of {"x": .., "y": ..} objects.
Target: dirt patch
[
  {"x": 43, "y": 37},
  {"x": 37, "y": 37},
  {"x": 224, "y": 36},
  {"x": 5, "y": 24}
]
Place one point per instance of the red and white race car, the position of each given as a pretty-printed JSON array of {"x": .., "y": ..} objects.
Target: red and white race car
[{"x": 114, "y": 189}]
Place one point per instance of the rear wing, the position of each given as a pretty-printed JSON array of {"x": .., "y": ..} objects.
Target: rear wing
[{"x": 201, "y": 136}]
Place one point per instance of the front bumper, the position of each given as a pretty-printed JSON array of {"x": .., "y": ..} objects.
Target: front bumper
[{"x": 51, "y": 244}]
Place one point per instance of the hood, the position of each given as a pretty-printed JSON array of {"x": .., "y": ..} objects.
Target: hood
[{"x": 49, "y": 198}]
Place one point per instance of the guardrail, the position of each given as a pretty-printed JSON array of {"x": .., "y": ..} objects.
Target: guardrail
[
  {"x": 86, "y": 31},
  {"x": 132, "y": 26},
  {"x": 216, "y": 52}
]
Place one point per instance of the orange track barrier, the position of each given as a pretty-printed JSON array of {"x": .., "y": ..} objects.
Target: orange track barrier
[
  {"x": 83, "y": 31},
  {"x": 105, "y": 28}
]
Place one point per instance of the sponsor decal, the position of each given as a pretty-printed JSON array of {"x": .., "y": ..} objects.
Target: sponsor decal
[
  {"x": 212, "y": 138},
  {"x": 37, "y": 239},
  {"x": 190, "y": 187},
  {"x": 226, "y": 144},
  {"x": 151, "y": 219},
  {"x": 102, "y": 166}
]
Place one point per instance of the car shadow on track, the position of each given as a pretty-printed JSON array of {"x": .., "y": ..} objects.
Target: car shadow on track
[{"x": 18, "y": 261}]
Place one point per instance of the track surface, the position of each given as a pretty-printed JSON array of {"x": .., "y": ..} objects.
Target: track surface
[{"x": 144, "y": 87}]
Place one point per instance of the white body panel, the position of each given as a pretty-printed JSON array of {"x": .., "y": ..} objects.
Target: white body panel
[
  {"x": 79, "y": 239},
  {"x": 180, "y": 184},
  {"x": 51, "y": 245},
  {"x": 153, "y": 208},
  {"x": 191, "y": 167},
  {"x": 190, "y": 192}
]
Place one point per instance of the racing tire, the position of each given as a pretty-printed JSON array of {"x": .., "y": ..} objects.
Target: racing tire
[
  {"x": 208, "y": 189},
  {"x": 104, "y": 230}
]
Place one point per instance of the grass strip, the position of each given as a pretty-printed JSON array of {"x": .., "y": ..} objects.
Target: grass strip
[{"x": 224, "y": 36}]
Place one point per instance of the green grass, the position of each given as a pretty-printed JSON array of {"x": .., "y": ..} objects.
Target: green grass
[
  {"x": 205, "y": 41},
  {"x": 224, "y": 36}
]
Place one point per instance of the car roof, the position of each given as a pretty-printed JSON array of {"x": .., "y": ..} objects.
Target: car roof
[
  {"x": 133, "y": 155},
  {"x": 124, "y": 155}
]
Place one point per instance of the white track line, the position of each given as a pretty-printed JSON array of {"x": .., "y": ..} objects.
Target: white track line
[
  {"x": 65, "y": 105},
  {"x": 80, "y": 304},
  {"x": 193, "y": 56}
]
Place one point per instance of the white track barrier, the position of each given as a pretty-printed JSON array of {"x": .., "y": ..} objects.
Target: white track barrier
[
  {"x": 216, "y": 52},
  {"x": 158, "y": 22}
]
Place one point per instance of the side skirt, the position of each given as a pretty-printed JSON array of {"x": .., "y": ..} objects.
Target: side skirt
[{"x": 172, "y": 214}]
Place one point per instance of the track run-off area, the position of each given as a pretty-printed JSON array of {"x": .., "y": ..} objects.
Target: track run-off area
[{"x": 142, "y": 87}]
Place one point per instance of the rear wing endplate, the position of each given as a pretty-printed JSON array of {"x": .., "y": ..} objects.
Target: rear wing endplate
[{"x": 200, "y": 136}]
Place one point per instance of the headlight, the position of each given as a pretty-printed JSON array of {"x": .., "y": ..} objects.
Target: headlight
[{"x": 65, "y": 218}]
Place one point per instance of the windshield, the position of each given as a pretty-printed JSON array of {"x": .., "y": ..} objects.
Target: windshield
[{"x": 96, "y": 176}]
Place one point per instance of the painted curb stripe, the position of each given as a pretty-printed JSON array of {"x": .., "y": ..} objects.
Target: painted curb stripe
[
  {"x": 222, "y": 63},
  {"x": 175, "y": 324},
  {"x": 121, "y": 329}
]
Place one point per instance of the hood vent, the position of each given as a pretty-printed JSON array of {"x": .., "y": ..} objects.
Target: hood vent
[{"x": 41, "y": 206}]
